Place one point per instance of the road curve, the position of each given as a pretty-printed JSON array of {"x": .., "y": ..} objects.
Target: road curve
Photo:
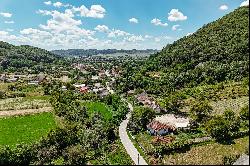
[{"x": 131, "y": 150}]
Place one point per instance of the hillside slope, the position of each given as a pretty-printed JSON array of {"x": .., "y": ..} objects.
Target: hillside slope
[
  {"x": 216, "y": 52},
  {"x": 21, "y": 58}
]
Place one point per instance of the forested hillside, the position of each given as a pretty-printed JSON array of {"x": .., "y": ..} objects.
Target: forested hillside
[
  {"x": 24, "y": 58},
  {"x": 216, "y": 52}
]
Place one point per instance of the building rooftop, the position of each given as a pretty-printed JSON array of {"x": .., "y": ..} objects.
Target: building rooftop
[{"x": 178, "y": 122}]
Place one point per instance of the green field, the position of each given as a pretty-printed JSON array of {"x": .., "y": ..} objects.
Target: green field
[
  {"x": 100, "y": 108},
  {"x": 25, "y": 129}
]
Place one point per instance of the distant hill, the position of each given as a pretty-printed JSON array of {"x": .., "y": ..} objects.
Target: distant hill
[
  {"x": 91, "y": 52},
  {"x": 217, "y": 52},
  {"x": 24, "y": 58}
]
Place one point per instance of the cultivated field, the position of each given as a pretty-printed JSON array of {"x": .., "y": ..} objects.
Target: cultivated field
[
  {"x": 23, "y": 103},
  {"x": 25, "y": 129}
]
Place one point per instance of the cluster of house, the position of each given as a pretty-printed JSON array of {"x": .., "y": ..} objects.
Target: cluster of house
[
  {"x": 144, "y": 99},
  {"x": 85, "y": 68},
  {"x": 32, "y": 79},
  {"x": 168, "y": 124},
  {"x": 96, "y": 88}
]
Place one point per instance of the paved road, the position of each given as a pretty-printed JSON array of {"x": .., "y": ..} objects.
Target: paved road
[{"x": 131, "y": 150}]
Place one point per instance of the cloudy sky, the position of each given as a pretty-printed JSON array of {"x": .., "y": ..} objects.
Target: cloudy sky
[{"x": 102, "y": 24}]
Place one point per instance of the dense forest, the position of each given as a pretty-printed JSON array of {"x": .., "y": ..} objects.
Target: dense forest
[
  {"x": 216, "y": 52},
  {"x": 27, "y": 58}
]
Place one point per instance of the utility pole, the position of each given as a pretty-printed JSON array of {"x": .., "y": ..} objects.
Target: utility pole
[{"x": 138, "y": 159}]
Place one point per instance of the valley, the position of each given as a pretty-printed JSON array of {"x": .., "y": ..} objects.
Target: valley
[{"x": 187, "y": 104}]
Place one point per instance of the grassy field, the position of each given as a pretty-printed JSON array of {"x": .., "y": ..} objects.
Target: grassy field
[
  {"x": 210, "y": 154},
  {"x": 100, "y": 108},
  {"x": 25, "y": 129}
]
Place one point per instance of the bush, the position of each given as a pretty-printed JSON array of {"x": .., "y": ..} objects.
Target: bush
[
  {"x": 229, "y": 160},
  {"x": 244, "y": 113},
  {"x": 2, "y": 95}
]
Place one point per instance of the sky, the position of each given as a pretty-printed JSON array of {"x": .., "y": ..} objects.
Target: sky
[{"x": 106, "y": 24}]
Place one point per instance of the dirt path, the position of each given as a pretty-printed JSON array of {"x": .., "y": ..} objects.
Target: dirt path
[
  {"x": 24, "y": 112},
  {"x": 130, "y": 148}
]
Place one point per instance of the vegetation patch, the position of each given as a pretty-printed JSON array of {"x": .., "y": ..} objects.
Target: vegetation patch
[
  {"x": 98, "y": 107},
  {"x": 25, "y": 129},
  {"x": 210, "y": 154}
]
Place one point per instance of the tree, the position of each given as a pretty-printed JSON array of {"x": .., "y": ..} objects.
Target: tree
[
  {"x": 200, "y": 111},
  {"x": 217, "y": 127},
  {"x": 222, "y": 127},
  {"x": 140, "y": 118}
]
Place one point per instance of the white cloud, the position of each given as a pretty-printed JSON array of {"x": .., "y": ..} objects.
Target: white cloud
[
  {"x": 176, "y": 28},
  {"x": 48, "y": 3},
  {"x": 245, "y": 3},
  {"x": 176, "y": 15},
  {"x": 58, "y": 4},
  {"x": 134, "y": 38},
  {"x": 102, "y": 28},
  {"x": 60, "y": 21},
  {"x": 117, "y": 33},
  {"x": 157, "y": 22},
  {"x": 95, "y": 11},
  {"x": 133, "y": 20},
  {"x": 4, "y": 33},
  {"x": 8, "y": 15},
  {"x": 44, "y": 12},
  {"x": 9, "y": 22},
  {"x": 223, "y": 7},
  {"x": 148, "y": 36},
  {"x": 29, "y": 31}
]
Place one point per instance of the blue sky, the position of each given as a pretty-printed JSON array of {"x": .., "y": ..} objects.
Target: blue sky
[{"x": 102, "y": 24}]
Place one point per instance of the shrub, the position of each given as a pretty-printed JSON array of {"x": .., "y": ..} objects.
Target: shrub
[{"x": 229, "y": 160}]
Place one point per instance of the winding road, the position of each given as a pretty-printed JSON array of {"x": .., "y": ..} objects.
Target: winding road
[{"x": 131, "y": 150}]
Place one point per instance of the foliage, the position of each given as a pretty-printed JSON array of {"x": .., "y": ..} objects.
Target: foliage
[
  {"x": 222, "y": 127},
  {"x": 244, "y": 113},
  {"x": 140, "y": 118},
  {"x": 200, "y": 112},
  {"x": 229, "y": 160}
]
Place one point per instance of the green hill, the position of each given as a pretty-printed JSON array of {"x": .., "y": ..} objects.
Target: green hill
[
  {"x": 25, "y": 58},
  {"x": 215, "y": 53}
]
